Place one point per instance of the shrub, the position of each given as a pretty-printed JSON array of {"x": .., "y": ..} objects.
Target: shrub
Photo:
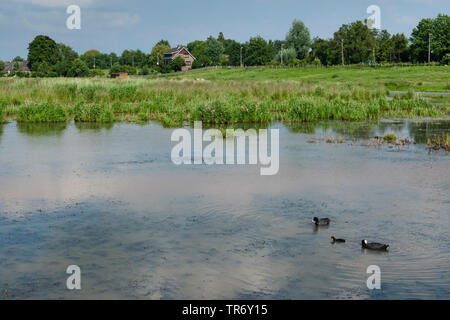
[{"x": 446, "y": 59}]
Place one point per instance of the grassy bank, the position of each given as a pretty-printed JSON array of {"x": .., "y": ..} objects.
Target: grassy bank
[{"x": 222, "y": 97}]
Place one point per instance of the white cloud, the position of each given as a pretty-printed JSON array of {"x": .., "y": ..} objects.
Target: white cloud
[{"x": 58, "y": 3}]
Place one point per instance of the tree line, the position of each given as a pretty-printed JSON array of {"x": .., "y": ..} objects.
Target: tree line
[{"x": 353, "y": 43}]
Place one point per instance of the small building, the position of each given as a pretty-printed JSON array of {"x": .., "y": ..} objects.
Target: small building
[
  {"x": 16, "y": 66},
  {"x": 120, "y": 75},
  {"x": 180, "y": 51}
]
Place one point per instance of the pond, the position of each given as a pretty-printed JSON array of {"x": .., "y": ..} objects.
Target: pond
[{"x": 110, "y": 200}]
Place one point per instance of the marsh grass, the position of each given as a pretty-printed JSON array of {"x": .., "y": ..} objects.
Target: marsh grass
[
  {"x": 2, "y": 111},
  {"x": 174, "y": 101},
  {"x": 93, "y": 113},
  {"x": 42, "y": 112}
]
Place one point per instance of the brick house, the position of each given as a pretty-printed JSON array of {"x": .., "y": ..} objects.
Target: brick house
[{"x": 180, "y": 51}]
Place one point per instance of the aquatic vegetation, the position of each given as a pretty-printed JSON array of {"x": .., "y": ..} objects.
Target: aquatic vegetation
[
  {"x": 93, "y": 113},
  {"x": 42, "y": 112},
  {"x": 225, "y": 97},
  {"x": 143, "y": 116},
  {"x": 2, "y": 109},
  {"x": 390, "y": 137},
  {"x": 437, "y": 142}
]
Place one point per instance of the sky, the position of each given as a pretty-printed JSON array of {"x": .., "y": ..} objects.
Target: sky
[{"x": 116, "y": 25}]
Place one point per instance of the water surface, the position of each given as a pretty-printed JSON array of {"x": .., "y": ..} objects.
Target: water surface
[{"x": 108, "y": 198}]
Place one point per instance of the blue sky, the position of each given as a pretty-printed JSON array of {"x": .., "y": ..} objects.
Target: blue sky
[{"x": 115, "y": 25}]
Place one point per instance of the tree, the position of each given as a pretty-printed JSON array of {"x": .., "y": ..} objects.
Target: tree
[
  {"x": 91, "y": 58},
  {"x": 446, "y": 59},
  {"x": 221, "y": 37},
  {"x": 117, "y": 68},
  {"x": 400, "y": 47},
  {"x": 18, "y": 59},
  {"x": 278, "y": 45},
  {"x": 78, "y": 69},
  {"x": 215, "y": 50},
  {"x": 2, "y": 68},
  {"x": 258, "y": 52},
  {"x": 233, "y": 50},
  {"x": 66, "y": 53},
  {"x": 42, "y": 69},
  {"x": 437, "y": 31},
  {"x": 358, "y": 40},
  {"x": 199, "y": 49},
  {"x": 384, "y": 46},
  {"x": 99, "y": 60},
  {"x": 133, "y": 58},
  {"x": 67, "y": 56},
  {"x": 157, "y": 54},
  {"x": 43, "y": 50},
  {"x": 286, "y": 55},
  {"x": 177, "y": 63},
  {"x": 299, "y": 38},
  {"x": 164, "y": 42},
  {"x": 325, "y": 51}
]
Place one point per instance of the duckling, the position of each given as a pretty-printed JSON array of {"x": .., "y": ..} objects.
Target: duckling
[
  {"x": 374, "y": 245},
  {"x": 337, "y": 240},
  {"x": 321, "y": 222}
]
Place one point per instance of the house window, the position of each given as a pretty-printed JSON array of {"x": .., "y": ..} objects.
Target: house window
[
  {"x": 188, "y": 63},
  {"x": 186, "y": 56}
]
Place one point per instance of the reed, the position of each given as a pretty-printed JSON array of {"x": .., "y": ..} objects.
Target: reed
[
  {"x": 174, "y": 101},
  {"x": 42, "y": 112},
  {"x": 2, "y": 111},
  {"x": 93, "y": 113}
]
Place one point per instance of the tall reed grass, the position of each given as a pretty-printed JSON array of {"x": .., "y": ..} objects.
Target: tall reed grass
[
  {"x": 42, "y": 112},
  {"x": 2, "y": 110},
  {"x": 175, "y": 101}
]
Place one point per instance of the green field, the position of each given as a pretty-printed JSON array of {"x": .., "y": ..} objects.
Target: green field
[
  {"x": 420, "y": 78},
  {"x": 225, "y": 96}
]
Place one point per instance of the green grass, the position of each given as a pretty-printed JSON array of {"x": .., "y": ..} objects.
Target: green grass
[
  {"x": 93, "y": 113},
  {"x": 390, "y": 137},
  {"x": 227, "y": 96},
  {"x": 2, "y": 111},
  {"x": 42, "y": 112},
  {"x": 419, "y": 78}
]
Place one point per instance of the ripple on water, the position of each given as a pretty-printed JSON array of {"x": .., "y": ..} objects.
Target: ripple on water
[{"x": 141, "y": 228}]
